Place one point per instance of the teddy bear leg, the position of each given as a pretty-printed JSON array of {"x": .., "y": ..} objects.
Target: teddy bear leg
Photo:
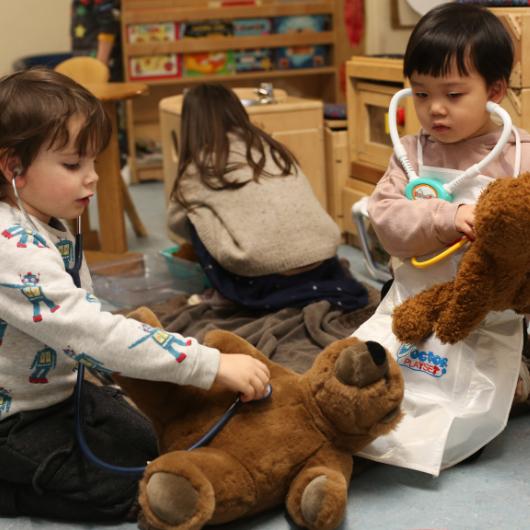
[
  {"x": 175, "y": 494},
  {"x": 318, "y": 494},
  {"x": 185, "y": 490}
]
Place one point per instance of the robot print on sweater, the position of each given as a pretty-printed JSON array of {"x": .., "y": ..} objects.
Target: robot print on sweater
[
  {"x": 5, "y": 401},
  {"x": 34, "y": 293},
  {"x": 163, "y": 339},
  {"x": 44, "y": 361},
  {"x": 87, "y": 360},
  {"x": 66, "y": 249},
  {"x": 24, "y": 235}
]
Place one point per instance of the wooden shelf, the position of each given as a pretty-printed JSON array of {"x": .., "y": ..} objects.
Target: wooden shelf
[
  {"x": 214, "y": 44},
  {"x": 188, "y": 14},
  {"x": 143, "y": 114},
  {"x": 268, "y": 74}
]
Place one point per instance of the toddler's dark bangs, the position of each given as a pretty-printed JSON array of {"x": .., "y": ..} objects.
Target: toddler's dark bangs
[{"x": 435, "y": 56}]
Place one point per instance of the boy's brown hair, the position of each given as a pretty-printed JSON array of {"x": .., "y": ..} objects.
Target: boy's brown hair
[{"x": 36, "y": 106}]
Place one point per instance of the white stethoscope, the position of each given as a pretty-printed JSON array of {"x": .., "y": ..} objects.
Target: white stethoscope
[{"x": 429, "y": 188}]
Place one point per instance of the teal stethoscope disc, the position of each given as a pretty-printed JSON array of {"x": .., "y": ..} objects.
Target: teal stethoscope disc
[{"x": 427, "y": 188}]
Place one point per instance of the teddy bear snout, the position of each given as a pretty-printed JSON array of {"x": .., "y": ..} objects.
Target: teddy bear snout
[{"x": 361, "y": 364}]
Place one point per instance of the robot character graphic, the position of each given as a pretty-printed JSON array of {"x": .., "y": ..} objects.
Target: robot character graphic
[
  {"x": 24, "y": 234},
  {"x": 31, "y": 289},
  {"x": 164, "y": 339},
  {"x": 5, "y": 400},
  {"x": 66, "y": 249},
  {"x": 87, "y": 360},
  {"x": 44, "y": 361},
  {"x": 3, "y": 327}
]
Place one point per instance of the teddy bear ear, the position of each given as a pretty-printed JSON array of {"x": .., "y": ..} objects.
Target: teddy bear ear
[{"x": 146, "y": 316}]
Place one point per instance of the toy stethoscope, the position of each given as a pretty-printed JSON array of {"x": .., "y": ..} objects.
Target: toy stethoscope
[
  {"x": 430, "y": 188},
  {"x": 74, "y": 273}
]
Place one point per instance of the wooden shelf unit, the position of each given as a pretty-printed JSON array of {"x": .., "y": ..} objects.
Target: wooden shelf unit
[{"x": 142, "y": 114}]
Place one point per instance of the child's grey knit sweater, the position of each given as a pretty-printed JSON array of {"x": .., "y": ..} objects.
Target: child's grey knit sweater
[{"x": 47, "y": 325}]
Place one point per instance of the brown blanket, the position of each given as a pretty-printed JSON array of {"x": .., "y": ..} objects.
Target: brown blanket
[{"x": 291, "y": 337}]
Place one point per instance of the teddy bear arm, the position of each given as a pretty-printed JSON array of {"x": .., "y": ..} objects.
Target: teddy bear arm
[
  {"x": 413, "y": 320},
  {"x": 468, "y": 306},
  {"x": 317, "y": 495},
  {"x": 522, "y": 300}
]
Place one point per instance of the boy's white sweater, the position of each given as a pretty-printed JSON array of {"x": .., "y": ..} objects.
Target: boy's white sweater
[{"x": 47, "y": 325}]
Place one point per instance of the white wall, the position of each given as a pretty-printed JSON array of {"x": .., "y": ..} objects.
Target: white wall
[
  {"x": 380, "y": 35},
  {"x": 32, "y": 27}
]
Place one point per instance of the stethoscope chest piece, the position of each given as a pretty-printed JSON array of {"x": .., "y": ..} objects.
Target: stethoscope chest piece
[{"x": 427, "y": 188}]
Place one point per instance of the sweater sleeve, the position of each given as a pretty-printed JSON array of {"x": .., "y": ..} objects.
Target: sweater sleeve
[
  {"x": 177, "y": 221},
  {"x": 38, "y": 297},
  {"x": 409, "y": 228}
]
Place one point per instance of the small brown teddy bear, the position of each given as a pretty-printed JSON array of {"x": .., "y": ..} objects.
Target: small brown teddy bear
[
  {"x": 295, "y": 445},
  {"x": 493, "y": 275}
]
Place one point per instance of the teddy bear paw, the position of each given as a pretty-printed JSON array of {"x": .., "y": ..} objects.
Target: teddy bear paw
[
  {"x": 320, "y": 506},
  {"x": 172, "y": 498}
]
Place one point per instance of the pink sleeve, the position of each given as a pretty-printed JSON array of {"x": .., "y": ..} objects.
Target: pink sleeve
[{"x": 409, "y": 228}]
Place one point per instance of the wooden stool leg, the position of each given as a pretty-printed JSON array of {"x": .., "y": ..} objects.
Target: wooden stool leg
[{"x": 130, "y": 210}]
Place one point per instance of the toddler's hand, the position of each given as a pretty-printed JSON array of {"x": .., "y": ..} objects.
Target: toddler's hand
[
  {"x": 465, "y": 220},
  {"x": 244, "y": 374}
]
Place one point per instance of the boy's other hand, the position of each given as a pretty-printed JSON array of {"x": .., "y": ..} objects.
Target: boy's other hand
[
  {"x": 243, "y": 374},
  {"x": 465, "y": 220}
]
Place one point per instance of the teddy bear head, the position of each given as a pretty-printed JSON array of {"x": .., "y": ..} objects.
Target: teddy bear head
[
  {"x": 502, "y": 220},
  {"x": 357, "y": 389}
]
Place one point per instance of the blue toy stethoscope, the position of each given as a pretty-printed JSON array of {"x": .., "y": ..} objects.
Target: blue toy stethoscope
[
  {"x": 74, "y": 273},
  {"x": 429, "y": 188}
]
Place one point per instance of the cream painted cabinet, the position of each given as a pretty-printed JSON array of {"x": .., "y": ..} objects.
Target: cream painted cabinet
[{"x": 295, "y": 122}]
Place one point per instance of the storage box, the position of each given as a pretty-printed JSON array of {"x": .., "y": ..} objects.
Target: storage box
[
  {"x": 298, "y": 23},
  {"x": 245, "y": 27},
  {"x": 208, "y": 63},
  {"x": 155, "y": 67},
  {"x": 207, "y": 28},
  {"x": 185, "y": 270},
  {"x": 301, "y": 56},
  {"x": 253, "y": 60},
  {"x": 140, "y": 280},
  {"x": 158, "y": 32}
]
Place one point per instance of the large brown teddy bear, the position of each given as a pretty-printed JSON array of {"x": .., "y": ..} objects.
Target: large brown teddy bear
[
  {"x": 493, "y": 275},
  {"x": 296, "y": 446}
]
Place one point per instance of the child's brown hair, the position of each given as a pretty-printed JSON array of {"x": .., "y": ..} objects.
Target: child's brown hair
[
  {"x": 37, "y": 105},
  {"x": 209, "y": 113}
]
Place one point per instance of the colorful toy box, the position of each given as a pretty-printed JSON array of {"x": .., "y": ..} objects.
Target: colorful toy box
[
  {"x": 209, "y": 63},
  {"x": 207, "y": 28},
  {"x": 160, "y": 32},
  {"x": 155, "y": 67},
  {"x": 298, "y": 23},
  {"x": 258, "y": 60},
  {"x": 252, "y": 26},
  {"x": 301, "y": 57}
]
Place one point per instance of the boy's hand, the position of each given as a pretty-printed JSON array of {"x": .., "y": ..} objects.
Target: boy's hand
[
  {"x": 465, "y": 220},
  {"x": 244, "y": 374}
]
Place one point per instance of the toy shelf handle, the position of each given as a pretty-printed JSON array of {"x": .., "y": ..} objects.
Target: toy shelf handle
[{"x": 442, "y": 255}]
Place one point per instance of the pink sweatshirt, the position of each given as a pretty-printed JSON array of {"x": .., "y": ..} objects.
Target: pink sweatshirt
[{"x": 413, "y": 228}]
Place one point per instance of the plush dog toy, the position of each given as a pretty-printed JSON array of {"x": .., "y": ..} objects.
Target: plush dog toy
[
  {"x": 296, "y": 446},
  {"x": 493, "y": 275}
]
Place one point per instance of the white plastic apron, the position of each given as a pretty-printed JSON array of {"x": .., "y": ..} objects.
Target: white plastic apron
[{"x": 457, "y": 397}]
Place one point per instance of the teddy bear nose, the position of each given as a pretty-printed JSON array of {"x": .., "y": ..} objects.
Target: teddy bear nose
[{"x": 361, "y": 364}]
